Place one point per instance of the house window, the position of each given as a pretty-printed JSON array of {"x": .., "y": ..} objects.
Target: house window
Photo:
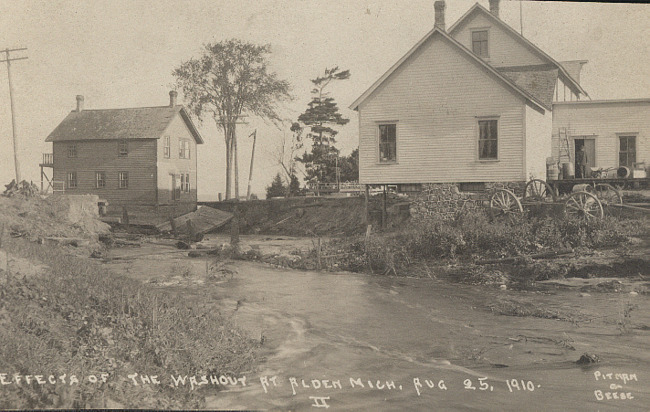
[
  {"x": 100, "y": 180},
  {"x": 627, "y": 151},
  {"x": 123, "y": 148},
  {"x": 72, "y": 180},
  {"x": 167, "y": 147},
  {"x": 72, "y": 150},
  {"x": 388, "y": 142},
  {"x": 183, "y": 149},
  {"x": 480, "y": 43},
  {"x": 488, "y": 139},
  {"x": 186, "y": 185},
  {"x": 123, "y": 178}
]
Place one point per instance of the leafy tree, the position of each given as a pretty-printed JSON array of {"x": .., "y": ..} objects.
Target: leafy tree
[
  {"x": 349, "y": 167},
  {"x": 229, "y": 79},
  {"x": 294, "y": 186},
  {"x": 277, "y": 188},
  {"x": 321, "y": 116}
]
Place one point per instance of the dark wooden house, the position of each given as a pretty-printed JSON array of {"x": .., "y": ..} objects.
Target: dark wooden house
[{"x": 134, "y": 156}]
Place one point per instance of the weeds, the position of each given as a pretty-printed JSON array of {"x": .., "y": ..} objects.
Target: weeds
[
  {"x": 475, "y": 236},
  {"x": 624, "y": 321},
  {"x": 78, "y": 319}
]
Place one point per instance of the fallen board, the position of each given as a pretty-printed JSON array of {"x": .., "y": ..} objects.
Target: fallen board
[{"x": 204, "y": 219}]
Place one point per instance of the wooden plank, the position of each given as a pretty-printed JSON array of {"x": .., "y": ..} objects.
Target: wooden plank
[{"x": 204, "y": 219}]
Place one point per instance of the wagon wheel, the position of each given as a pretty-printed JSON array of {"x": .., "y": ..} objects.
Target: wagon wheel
[
  {"x": 538, "y": 190},
  {"x": 608, "y": 196},
  {"x": 505, "y": 203},
  {"x": 583, "y": 205}
]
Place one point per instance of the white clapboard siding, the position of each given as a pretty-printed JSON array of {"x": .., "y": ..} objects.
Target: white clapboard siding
[
  {"x": 503, "y": 48},
  {"x": 604, "y": 121},
  {"x": 539, "y": 128},
  {"x": 177, "y": 130},
  {"x": 435, "y": 96}
]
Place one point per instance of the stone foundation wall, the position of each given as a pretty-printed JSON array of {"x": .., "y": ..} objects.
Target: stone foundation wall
[{"x": 447, "y": 201}]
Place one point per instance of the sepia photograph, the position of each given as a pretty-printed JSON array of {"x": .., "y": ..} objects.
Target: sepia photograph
[{"x": 303, "y": 205}]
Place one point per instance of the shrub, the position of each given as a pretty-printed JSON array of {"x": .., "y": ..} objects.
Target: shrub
[{"x": 476, "y": 235}]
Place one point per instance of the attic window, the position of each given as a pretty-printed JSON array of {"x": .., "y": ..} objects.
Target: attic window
[
  {"x": 123, "y": 148},
  {"x": 184, "y": 149},
  {"x": 72, "y": 150},
  {"x": 480, "y": 43}
]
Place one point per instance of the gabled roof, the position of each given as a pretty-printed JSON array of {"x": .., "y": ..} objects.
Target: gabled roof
[
  {"x": 538, "y": 80},
  {"x": 574, "y": 67},
  {"x": 564, "y": 74},
  {"x": 528, "y": 97},
  {"x": 110, "y": 124}
]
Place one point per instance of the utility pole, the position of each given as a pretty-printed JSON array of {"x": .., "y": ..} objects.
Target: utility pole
[
  {"x": 250, "y": 173},
  {"x": 521, "y": 18},
  {"x": 13, "y": 108}
]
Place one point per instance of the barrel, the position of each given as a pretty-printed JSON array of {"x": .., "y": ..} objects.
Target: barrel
[
  {"x": 567, "y": 170},
  {"x": 552, "y": 172},
  {"x": 623, "y": 172}
]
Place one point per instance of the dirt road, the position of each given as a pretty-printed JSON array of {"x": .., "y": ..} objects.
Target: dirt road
[{"x": 355, "y": 342}]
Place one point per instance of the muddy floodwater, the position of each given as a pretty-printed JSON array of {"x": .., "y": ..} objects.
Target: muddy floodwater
[{"x": 341, "y": 341}]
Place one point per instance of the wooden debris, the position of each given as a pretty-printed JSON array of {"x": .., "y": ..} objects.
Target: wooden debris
[{"x": 544, "y": 255}]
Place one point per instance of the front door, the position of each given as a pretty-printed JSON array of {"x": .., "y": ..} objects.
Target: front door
[
  {"x": 590, "y": 150},
  {"x": 175, "y": 189}
]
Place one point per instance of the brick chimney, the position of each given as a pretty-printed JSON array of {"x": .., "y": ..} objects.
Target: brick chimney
[
  {"x": 439, "y": 7},
  {"x": 494, "y": 8},
  {"x": 172, "y": 98},
  {"x": 80, "y": 102}
]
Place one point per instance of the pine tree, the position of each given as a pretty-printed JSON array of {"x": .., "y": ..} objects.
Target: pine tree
[{"x": 321, "y": 116}]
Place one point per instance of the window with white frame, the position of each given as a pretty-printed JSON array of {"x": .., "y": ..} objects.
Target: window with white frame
[
  {"x": 72, "y": 150},
  {"x": 100, "y": 180},
  {"x": 480, "y": 43},
  {"x": 72, "y": 180},
  {"x": 627, "y": 151},
  {"x": 388, "y": 142},
  {"x": 186, "y": 186},
  {"x": 167, "y": 148},
  {"x": 488, "y": 139},
  {"x": 123, "y": 180},
  {"x": 184, "y": 149}
]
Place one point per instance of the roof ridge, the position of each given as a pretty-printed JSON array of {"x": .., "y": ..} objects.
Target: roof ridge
[
  {"x": 130, "y": 108},
  {"x": 528, "y": 67}
]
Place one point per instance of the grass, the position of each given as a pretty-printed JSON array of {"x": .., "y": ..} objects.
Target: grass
[{"x": 79, "y": 319}]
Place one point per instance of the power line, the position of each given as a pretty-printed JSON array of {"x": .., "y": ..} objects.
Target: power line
[{"x": 8, "y": 60}]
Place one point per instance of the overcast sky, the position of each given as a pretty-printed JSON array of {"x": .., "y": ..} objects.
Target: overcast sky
[{"x": 120, "y": 53}]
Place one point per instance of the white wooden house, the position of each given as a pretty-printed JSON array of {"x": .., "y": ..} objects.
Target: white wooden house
[{"x": 472, "y": 104}]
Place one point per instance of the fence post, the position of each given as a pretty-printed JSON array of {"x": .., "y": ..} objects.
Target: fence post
[
  {"x": 125, "y": 215},
  {"x": 318, "y": 252},
  {"x": 234, "y": 228}
]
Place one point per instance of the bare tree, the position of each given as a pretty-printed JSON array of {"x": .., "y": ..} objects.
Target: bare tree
[
  {"x": 287, "y": 150},
  {"x": 231, "y": 78}
]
